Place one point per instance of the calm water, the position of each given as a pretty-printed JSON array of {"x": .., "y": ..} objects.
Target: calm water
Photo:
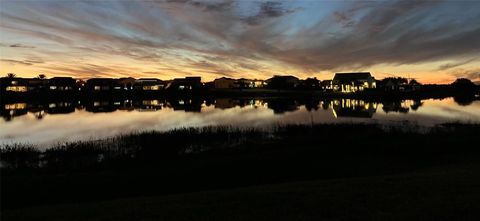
[{"x": 57, "y": 122}]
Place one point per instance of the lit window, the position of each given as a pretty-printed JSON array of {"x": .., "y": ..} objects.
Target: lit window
[
  {"x": 97, "y": 88},
  {"x": 53, "y": 87},
  {"x": 16, "y": 88}
]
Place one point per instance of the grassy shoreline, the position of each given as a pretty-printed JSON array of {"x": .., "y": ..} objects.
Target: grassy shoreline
[{"x": 162, "y": 165}]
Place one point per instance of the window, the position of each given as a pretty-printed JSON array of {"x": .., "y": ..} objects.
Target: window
[{"x": 17, "y": 88}]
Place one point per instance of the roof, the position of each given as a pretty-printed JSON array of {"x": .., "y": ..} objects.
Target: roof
[
  {"x": 351, "y": 76},
  {"x": 224, "y": 78}
]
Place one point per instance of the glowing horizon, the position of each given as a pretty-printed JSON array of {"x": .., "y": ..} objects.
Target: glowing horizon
[{"x": 431, "y": 41}]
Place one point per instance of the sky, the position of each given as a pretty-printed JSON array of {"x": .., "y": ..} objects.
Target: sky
[{"x": 431, "y": 41}]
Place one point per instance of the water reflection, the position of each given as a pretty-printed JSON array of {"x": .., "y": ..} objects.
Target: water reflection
[
  {"x": 340, "y": 107},
  {"x": 56, "y": 121},
  {"x": 353, "y": 108}
]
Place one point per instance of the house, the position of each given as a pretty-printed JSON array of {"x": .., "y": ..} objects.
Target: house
[
  {"x": 102, "y": 84},
  {"x": 14, "y": 84},
  {"x": 353, "y": 82},
  {"x": 249, "y": 83},
  {"x": 225, "y": 83},
  {"x": 283, "y": 82},
  {"x": 126, "y": 83},
  {"x": 149, "y": 84},
  {"x": 326, "y": 85},
  {"x": 185, "y": 84},
  {"x": 61, "y": 84}
]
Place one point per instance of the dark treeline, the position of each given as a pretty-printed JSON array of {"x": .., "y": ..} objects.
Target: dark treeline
[
  {"x": 184, "y": 160},
  {"x": 359, "y": 85}
]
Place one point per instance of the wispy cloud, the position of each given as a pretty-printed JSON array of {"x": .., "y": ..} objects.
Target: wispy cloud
[{"x": 238, "y": 38}]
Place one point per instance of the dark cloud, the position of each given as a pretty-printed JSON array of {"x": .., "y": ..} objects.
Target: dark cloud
[
  {"x": 12, "y": 61},
  {"x": 343, "y": 19},
  {"x": 454, "y": 64},
  {"x": 387, "y": 33},
  {"x": 473, "y": 75},
  {"x": 20, "y": 46},
  {"x": 267, "y": 10},
  {"x": 213, "y": 37}
]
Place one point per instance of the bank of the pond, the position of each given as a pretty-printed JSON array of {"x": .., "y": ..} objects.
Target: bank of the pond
[{"x": 157, "y": 164}]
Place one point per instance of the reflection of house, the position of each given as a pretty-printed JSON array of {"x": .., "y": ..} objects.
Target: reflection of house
[
  {"x": 225, "y": 103},
  {"x": 61, "y": 84},
  {"x": 101, "y": 106},
  {"x": 60, "y": 108},
  {"x": 148, "y": 105},
  {"x": 188, "y": 105},
  {"x": 395, "y": 106},
  {"x": 149, "y": 84},
  {"x": 185, "y": 84},
  {"x": 225, "y": 83},
  {"x": 9, "y": 111},
  {"x": 353, "y": 108},
  {"x": 353, "y": 82},
  {"x": 280, "y": 106}
]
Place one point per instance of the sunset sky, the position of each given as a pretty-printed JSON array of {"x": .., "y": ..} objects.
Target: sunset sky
[{"x": 432, "y": 41}]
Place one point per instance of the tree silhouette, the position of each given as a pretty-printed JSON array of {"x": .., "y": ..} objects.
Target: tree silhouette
[
  {"x": 11, "y": 75},
  {"x": 42, "y": 76}
]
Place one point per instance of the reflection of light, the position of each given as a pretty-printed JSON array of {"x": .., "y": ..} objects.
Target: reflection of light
[
  {"x": 52, "y": 105},
  {"x": 151, "y": 102},
  {"x": 334, "y": 113},
  {"x": 53, "y": 87},
  {"x": 181, "y": 102}
]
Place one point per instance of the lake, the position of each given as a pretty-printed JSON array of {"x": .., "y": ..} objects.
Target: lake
[{"x": 56, "y": 122}]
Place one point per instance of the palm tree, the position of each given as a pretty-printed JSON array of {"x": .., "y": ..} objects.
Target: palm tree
[
  {"x": 11, "y": 75},
  {"x": 42, "y": 76}
]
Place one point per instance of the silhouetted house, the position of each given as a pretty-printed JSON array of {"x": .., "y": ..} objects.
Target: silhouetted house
[
  {"x": 393, "y": 84},
  {"x": 61, "y": 84},
  {"x": 185, "y": 84},
  {"x": 126, "y": 83},
  {"x": 283, "y": 82},
  {"x": 102, "y": 85},
  {"x": 310, "y": 84},
  {"x": 37, "y": 84},
  {"x": 353, "y": 82},
  {"x": 326, "y": 85},
  {"x": 8, "y": 84},
  {"x": 249, "y": 83},
  {"x": 149, "y": 84},
  {"x": 225, "y": 83}
]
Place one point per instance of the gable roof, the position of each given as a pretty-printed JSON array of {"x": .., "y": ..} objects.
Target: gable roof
[{"x": 348, "y": 77}]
